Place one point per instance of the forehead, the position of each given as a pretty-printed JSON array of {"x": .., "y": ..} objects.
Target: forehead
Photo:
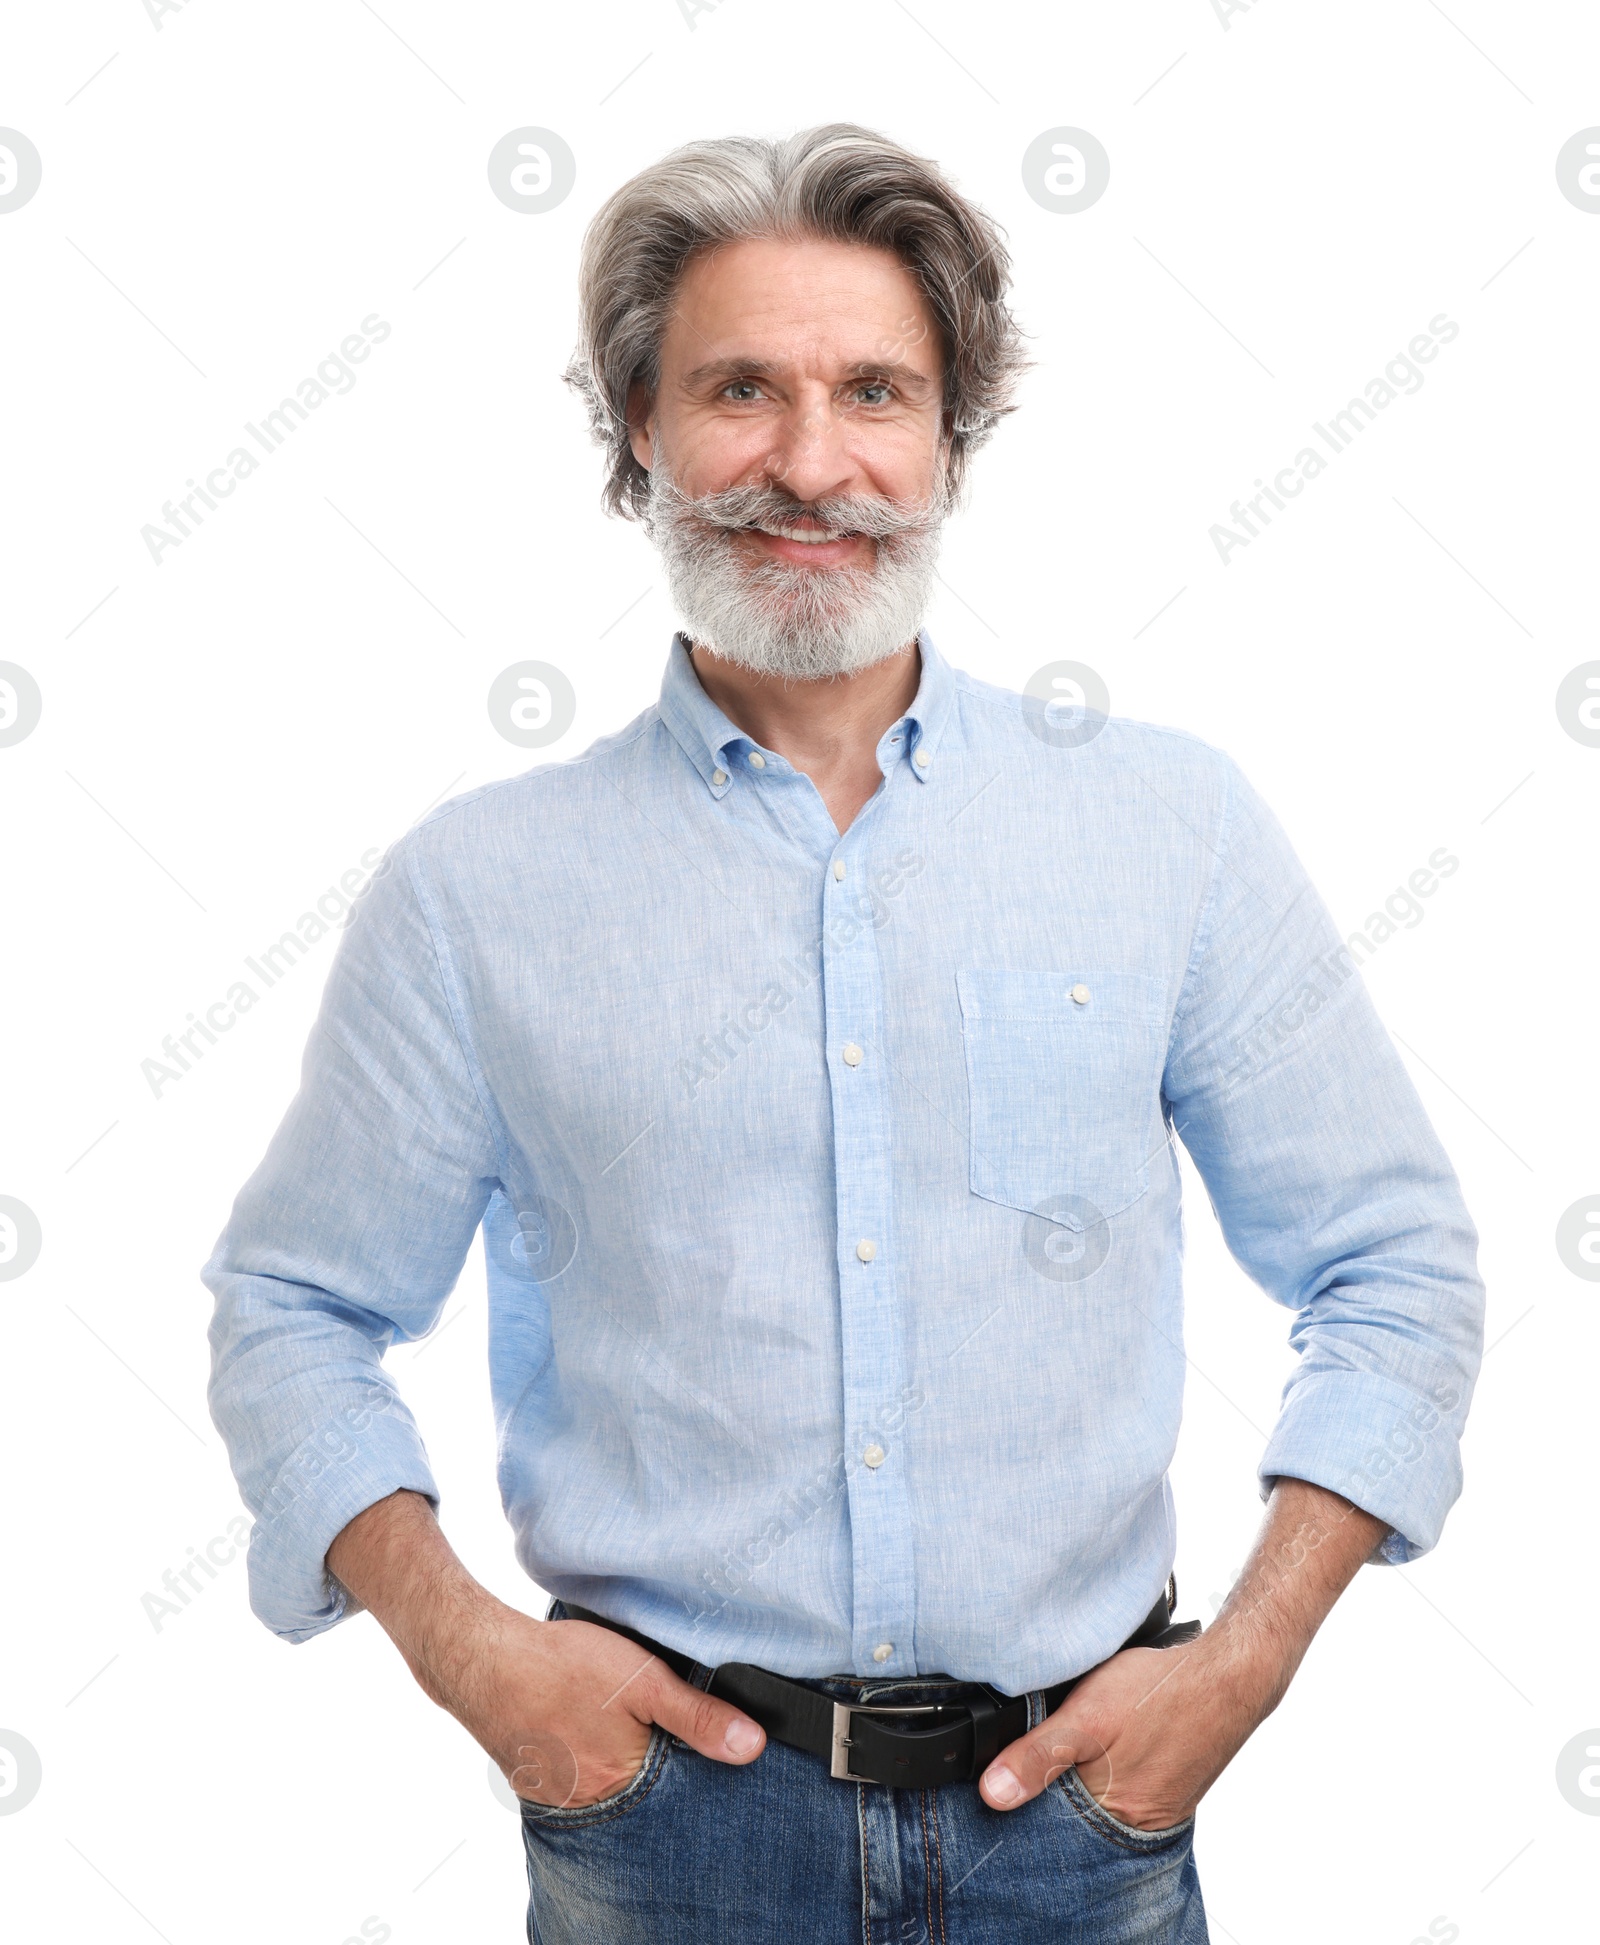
[{"x": 800, "y": 301}]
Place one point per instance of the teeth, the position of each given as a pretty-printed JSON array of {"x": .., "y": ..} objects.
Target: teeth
[{"x": 809, "y": 539}]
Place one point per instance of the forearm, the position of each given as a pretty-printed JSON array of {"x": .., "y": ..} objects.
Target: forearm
[
  {"x": 394, "y": 1560},
  {"x": 1309, "y": 1547}
]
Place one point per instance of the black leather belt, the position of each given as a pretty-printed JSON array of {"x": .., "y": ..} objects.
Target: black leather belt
[{"x": 914, "y": 1747}]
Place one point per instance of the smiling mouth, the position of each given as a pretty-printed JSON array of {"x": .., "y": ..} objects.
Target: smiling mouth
[{"x": 807, "y": 536}]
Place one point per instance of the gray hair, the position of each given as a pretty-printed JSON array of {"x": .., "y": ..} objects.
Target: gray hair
[{"x": 842, "y": 183}]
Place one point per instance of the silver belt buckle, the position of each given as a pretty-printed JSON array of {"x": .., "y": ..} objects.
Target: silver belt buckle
[{"x": 842, "y": 1712}]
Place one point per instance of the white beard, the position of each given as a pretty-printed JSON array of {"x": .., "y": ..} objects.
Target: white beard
[{"x": 782, "y": 618}]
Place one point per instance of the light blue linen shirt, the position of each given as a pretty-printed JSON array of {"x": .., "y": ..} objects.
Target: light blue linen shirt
[{"x": 828, "y": 1188}]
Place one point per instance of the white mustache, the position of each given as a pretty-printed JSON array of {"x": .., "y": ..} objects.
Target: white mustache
[{"x": 738, "y": 508}]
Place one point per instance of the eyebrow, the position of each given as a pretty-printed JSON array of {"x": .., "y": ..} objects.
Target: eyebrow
[{"x": 905, "y": 376}]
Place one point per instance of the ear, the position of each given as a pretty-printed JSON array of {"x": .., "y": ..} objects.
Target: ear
[{"x": 641, "y": 424}]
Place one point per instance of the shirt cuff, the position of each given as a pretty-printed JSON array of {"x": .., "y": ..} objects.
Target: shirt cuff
[
  {"x": 350, "y": 1462},
  {"x": 1392, "y": 1451}
]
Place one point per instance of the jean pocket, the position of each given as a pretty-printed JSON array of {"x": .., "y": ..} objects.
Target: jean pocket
[
  {"x": 1127, "y": 1835},
  {"x": 1064, "y": 1087},
  {"x": 619, "y": 1804}
]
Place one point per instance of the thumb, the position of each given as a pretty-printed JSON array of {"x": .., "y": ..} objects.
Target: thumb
[
  {"x": 715, "y": 1728},
  {"x": 1028, "y": 1766}
]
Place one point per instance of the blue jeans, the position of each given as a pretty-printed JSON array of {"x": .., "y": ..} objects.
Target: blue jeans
[{"x": 694, "y": 1852}]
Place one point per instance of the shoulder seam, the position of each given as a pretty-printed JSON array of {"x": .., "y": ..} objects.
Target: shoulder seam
[
  {"x": 648, "y": 719},
  {"x": 492, "y": 1123},
  {"x": 995, "y": 696},
  {"x": 1201, "y": 942}
]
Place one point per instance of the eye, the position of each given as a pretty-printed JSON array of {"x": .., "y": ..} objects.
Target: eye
[
  {"x": 874, "y": 392},
  {"x": 742, "y": 390}
]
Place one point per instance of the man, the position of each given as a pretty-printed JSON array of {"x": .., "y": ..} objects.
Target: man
[{"x": 812, "y": 1052}]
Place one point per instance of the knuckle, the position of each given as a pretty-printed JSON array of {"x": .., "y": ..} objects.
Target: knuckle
[
  {"x": 703, "y": 1719},
  {"x": 649, "y": 1697}
]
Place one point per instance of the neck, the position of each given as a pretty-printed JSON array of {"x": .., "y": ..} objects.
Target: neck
[{"x": 829, "y": 729}]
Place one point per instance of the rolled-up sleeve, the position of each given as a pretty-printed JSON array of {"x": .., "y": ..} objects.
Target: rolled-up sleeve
[
  {"x": 348, "y": 1238},
  {"x": 1331, "y": 1187}
]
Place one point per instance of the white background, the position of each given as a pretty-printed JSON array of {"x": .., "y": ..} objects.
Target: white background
[{"x": 227, "y": 732}]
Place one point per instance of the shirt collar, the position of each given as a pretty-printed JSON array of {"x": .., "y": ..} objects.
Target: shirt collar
[{"x": 712, "y": 743}]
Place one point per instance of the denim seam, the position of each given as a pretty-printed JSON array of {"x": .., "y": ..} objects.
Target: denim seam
[
  {"x": 611, "y": 1807},
  {"x": 866, "y": 1864},
  {"x": 1121, "y": 1835},
  {"x": 927, "y": 1862},
  {"x": 938, "y": 1849}
]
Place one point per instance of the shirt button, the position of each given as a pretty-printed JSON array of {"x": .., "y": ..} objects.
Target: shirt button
[
  {"x": 838, "y": 867},
  {"x": 852, "y": 1054},
  {"x": 874, "y": 1456},
  {"x": 883, "y": 1651},
  {"x": 922, "y": 759},
  {"x": 866, "y": 1250},
  {"x": 757, "y": 760},
  {"x": 1080, "y": 993},
  {"x": 719, "y": 777}
]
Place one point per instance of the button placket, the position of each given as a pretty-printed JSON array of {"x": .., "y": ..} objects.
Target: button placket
[{"x": 870, "y": 1333}]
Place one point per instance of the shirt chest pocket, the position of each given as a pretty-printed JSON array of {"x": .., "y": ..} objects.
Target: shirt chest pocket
[{"x": 1064, "y": 1085}]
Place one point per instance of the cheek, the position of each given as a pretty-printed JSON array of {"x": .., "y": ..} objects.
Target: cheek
[
  {"x": 705, "y": 453},
  {"x": 900, "y": 458}
]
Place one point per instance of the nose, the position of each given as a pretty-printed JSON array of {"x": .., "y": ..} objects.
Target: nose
[{"x": 810, "y": 454}]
